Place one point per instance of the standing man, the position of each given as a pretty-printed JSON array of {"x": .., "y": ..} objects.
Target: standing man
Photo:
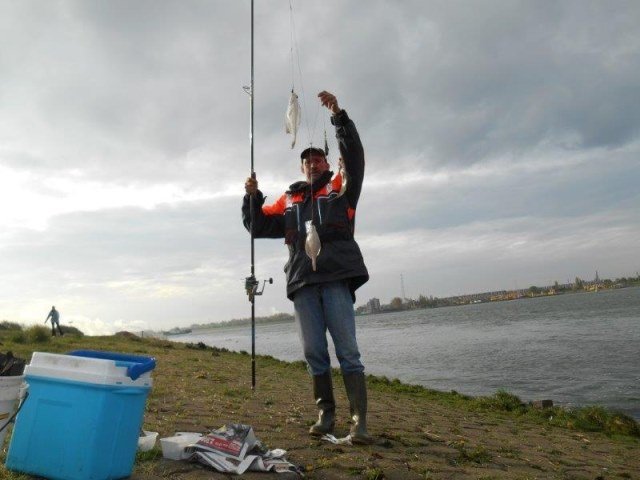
[
  {"x": 54, "y": 315},
  {"x": 323, "y": 299}
]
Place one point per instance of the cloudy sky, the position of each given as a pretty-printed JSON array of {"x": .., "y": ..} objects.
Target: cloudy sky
[{"x": 502, "y": 142}]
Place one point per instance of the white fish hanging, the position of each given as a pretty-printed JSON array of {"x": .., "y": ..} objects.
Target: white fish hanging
[
  {"x": 312, "y": 243},
  {"x": 292, "y": 118}
]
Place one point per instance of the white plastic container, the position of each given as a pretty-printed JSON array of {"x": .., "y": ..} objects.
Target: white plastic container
[
  {"x": 147, "y": 441},
  {"x": 174, "y": 447},
  {"x": 10, "y": 392}
]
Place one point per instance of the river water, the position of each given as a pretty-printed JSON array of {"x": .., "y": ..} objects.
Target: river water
[{"x": 579, "y": 349}]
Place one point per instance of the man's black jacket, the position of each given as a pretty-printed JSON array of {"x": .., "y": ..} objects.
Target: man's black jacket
[{"x": 334, "y": 217}]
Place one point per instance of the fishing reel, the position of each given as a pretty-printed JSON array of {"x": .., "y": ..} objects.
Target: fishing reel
[{"x": 251, "y": 285}]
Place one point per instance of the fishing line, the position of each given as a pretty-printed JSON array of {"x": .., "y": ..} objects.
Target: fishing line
[
  {"x": 310, "y": 132},
  {"x": 291, "y": 27},
  {"x": 294, "y": 46}
]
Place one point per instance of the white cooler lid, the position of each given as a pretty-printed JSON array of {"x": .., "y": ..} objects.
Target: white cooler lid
[{"x": 82, "y": 369}]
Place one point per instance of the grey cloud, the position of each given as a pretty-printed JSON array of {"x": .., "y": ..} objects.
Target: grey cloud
[
  {"x": 503, "y": 254},
  {"x": 556, "y": 192},
  {"x": 183, "y": 263},
  {"x": 147, "y": 88},
  {"x": 454, "y": 84},
  {"x": 505, "y": 77},
  {"x": 149, "y": 93},
  {"x": 129, "y": 242}
]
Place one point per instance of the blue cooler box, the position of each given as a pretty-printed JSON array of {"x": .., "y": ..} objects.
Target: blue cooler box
[{"x": 82, "y": 418}]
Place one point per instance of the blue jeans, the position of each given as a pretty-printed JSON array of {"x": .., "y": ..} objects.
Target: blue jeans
[{"x": 322, "y": 307}]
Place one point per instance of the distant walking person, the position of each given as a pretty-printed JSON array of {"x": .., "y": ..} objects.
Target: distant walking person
[{"x": 54, "y": 315}]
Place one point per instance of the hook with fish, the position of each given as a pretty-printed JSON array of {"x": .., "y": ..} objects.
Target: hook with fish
[
  {"x": 312, "y": 244},
  {"x": 292, "y": 121},
  {"x": 292, "y": 117}
]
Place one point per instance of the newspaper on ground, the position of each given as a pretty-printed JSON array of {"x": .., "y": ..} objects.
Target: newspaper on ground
[
  {"x": 256, "y": 463},
  {"x": 232, "y": 440},
  {"x": 234, "y": 448}
]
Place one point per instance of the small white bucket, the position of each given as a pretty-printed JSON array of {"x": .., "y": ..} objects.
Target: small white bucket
[
  {"x": 10, "y": 394},
  {"x": 147, "y": 441},
  {"x": 174, "y": 447}
]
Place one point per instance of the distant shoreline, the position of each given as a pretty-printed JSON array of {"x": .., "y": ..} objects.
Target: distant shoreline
[
  {"x": 289, "y": 318},
  {"x": 398, "y": 304},
  {"x": 476, "y": 298}
]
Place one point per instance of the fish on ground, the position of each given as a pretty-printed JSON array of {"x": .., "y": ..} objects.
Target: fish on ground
[
  {"x": 292, "y": 118},
  {"x": 312, "y": 243}
]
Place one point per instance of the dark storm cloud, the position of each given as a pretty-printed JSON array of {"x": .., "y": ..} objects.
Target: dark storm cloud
[
  {"x": 503, "y": 77},
  {"x": 448, "y": 83},
  {"x": 128, "y": 85},
  {"x": 540, "y": 74}
]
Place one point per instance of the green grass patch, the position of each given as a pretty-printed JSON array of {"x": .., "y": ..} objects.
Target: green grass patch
[
  {"x": 235, "y": 392},
  {"x": 6, "y": 325},
  {"x": 71, "y": 330},
  {"x": 373, "y": 474},
  {"x": 38, "y": 334},
  {"x": 590, "y": 419},
  {"x": 477, "y": 454},
  {"x": 509, "y": 452},
  {"x": 586, "y": 419},
  {"x": 148, "y": 456},
  {"x": 18, "y": 336},
  {"x": 502, "y": 401}
]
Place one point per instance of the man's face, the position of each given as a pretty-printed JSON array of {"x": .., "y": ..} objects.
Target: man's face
[{"x": 314, "y": 166}]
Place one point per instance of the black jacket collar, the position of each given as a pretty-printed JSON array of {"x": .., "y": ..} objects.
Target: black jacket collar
[{"x": 303, "y": 186}]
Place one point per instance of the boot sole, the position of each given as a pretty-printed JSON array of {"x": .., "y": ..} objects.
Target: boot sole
[{"x": 362, "y": 441}]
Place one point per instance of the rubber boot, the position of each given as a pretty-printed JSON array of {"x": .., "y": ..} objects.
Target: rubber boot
[
  {"x": 323, "y": 394},
  {"x": 356, "y": 386}
]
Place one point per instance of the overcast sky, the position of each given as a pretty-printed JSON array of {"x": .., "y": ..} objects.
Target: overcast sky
[{"x": 502, "y": 142}]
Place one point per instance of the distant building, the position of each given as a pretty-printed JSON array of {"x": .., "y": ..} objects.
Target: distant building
[{"x": 373, "y": 306}]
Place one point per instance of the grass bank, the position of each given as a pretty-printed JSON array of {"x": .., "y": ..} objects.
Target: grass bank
[{"x": 420, "y": 433}]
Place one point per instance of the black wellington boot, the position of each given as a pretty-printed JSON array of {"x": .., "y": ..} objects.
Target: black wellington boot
[
  {"x": 356, "y": 386},
  {"x": 323, "y": 394}
]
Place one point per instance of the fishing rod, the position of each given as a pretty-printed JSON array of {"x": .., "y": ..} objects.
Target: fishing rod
[{"x": 251, "y": 283}]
